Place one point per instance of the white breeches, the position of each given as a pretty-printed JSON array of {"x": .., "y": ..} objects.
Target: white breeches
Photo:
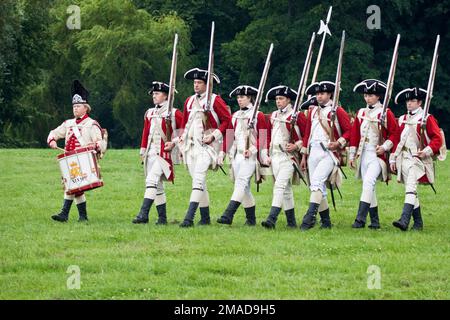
[
  {"x": 243, "y": 171},
  {"x": 320, "y": 165},
  {"x": 198, "y": 162},
  {"x": 370, "y": 171},
  {"x": 283, "y": 171}
]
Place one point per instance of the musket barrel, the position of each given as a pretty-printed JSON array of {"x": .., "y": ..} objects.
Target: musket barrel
[
  {"x": 431, "y": 78},
  {"x": 390, "y": 82}
]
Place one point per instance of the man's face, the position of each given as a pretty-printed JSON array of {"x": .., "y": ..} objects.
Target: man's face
[
  {"x": 413, "y": 104},
  {"x": 79, "y": 110},
  {"x": 159, "y": 97},
  {"x": 243, "y": 101},
  {"x": 323, "y": 97},
  {"x": 371, "y": 99},
  {"x": 199, "y": 86},
  {"x": 282, "y": 102}
]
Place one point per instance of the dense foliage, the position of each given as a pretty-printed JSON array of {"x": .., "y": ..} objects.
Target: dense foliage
[{"x": 124, "y": 45}]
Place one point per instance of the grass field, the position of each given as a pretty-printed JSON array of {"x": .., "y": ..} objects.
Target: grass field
[{"x": 119, "y": 260}]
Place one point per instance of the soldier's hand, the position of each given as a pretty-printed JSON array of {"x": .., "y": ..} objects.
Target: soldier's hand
[
  {"x": 247, "y": 154},
  {"x": 380, "y": 150},
  {"x": 53, "y": 145},
  {"x": 290, "y": 147},
  {"x": 220, "y": 158},
  {"x": 208, "y": 139},
  {"x": 303, "y": 163},
  {"x": 333, "y": 146},
  {"x": 421, "y": 154},
  {"x": 267, "y": 161},
  {"x": 169, "y": 145},
  {"x": 393, "y": 167}
]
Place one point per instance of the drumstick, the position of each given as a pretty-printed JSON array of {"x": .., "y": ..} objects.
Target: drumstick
[{"x": 60, "y": 149}]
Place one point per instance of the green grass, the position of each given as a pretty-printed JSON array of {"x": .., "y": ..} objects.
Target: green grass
[{"x": 119, "y": 260}]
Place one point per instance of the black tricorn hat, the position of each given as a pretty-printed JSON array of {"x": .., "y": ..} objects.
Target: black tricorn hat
[
  {"x": 281, "y": 90},
  {"x": 323, "y": 86},
  {"x": 159, "y": 86},
  {"x": 79, "y": 93},
  {"x": 244, "y": 90},
  {"x": 200, "y": 74},
  {"x": 411, "y": 93},
  {"x": 371, "y": 86},
  {"x": 310, "y": 102}
]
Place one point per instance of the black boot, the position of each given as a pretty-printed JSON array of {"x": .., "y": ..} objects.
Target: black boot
[
  {"x": 403, "y": 223},
  {"x": 142, "y": 216},
  {"x": 417, "y": 217},
  {"x": 82, "y": 212},
  {"x": 190, "y": 214},
  {"x": 325, "y": 220},
  {"x": 162, "y": 217},
  {"x": 250, "y": 216},
  {"x": 374, "y": 220},
  {"x": 272, "y": 218},
  {"x": 309, "y": 220},
  {"x": 204, "y": 216},
  {"x": 227, "y": 216},
  {"x": 363, "y": 210},
  {"x": 63, "y": 216},
  {"x": 290, "y": 218}
]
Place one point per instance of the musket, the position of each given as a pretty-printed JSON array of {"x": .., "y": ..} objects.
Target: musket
[
  {"x": 430, "y": 87},
  {"x": 210, "y": 79},
  {"x": 302, "y": 85},
  {"x": 172, "y": 82},
  {"x": 389, "y": 86},
  {"x": 337, "y": 87},
  {"x": 428, "y": 97},
  {"x": 259, "y": 95},
  {"x": 300, "y": 94},
  {"x": 322, "y": 30},
  {"x": 387, "y": 97}
]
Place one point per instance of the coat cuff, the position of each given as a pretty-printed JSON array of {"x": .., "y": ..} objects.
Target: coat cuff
[
  {"x": 176, "y": 140},
  {"x": 342, "y": 142},
  {"x": 392, "y": 158},
  {"x": 387, "y": 145},
  {"x": 304, "y": 150},
  {"x": 299, "y": 144},
  {"x": 50, "y": 139},
  {"x": 217, "y": 134},
  {"x": 428, "y": 151},
  {"x": 352, "y": 153},
  {"x": 142, "y": 151}
]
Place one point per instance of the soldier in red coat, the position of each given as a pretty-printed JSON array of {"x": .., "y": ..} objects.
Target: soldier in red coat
[
  {"x": 367, "y": 147},
  {"x": 247, "y": 150},
  {"x": 201, "y": 142},
  {"x": 412, "y": 158},
  {"x": 285, "y": 145},
  {"x": 80, "y": 131},
  {"x": 157, "y": 159},
  {"x": 321, "y": 155}
]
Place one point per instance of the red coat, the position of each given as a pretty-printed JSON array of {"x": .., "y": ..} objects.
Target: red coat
[
  {"x": 433, "y": 137},
  {"x": 342, "y": 118},
  {"x": 146, "y": 131},
  {"x": 301, "y": 123},
  {"x": 389, "y": 132},
  {"x": 262, "y": 131},
  {"x": 219, "y": 117}
]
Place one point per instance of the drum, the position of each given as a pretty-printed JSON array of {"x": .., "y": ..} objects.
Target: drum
[{"x": 79, "y": 170}]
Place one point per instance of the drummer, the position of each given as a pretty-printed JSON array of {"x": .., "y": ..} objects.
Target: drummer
[{"x": 81, "y": 131}]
